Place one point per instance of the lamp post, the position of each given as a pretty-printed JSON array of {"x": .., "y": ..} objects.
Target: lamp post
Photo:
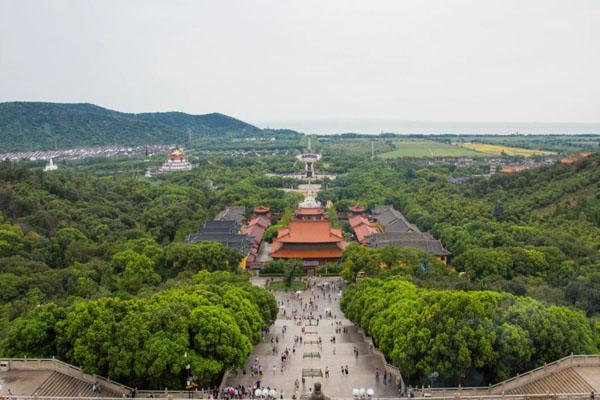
[
  {"x": 432, "y": 377},
  {"x": 188, "y": 380},
  {"x": 190, "y": 386}
]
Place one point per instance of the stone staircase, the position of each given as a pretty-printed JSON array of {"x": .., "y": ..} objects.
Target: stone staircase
[
  {"x": 62, "y": 385},
  {"x": 560, "y": 376},
  {"x": 51, "y": 378},
  {"x": 574, "y": 376},
  {"x": 565, "y": 381}
]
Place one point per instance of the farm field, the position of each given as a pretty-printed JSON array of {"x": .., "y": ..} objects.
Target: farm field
[
  {"x": 427, "y": 148},
  {"x": 359, "y": 147},
  {"x": 507, "y": 150}
]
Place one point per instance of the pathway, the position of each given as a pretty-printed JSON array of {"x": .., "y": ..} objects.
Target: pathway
[{"x": 310, "y": 355}]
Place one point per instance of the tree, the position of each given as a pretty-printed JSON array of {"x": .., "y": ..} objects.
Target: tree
[
  {"x": 33, "y": 336},
  {"x": 499, "y": 211},
  {"x": 211, "y": 256},
  {"x": 288, "y": 277},
  {"x": 135, "y": 270}
]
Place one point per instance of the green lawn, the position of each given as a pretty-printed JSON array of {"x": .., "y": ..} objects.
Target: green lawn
[
  {"x": 296, "y": 285},
  {"x": 427, "y": 148}
]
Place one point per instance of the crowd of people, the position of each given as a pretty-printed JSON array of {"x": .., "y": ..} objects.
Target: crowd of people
[{"x": 308, "y": 310}]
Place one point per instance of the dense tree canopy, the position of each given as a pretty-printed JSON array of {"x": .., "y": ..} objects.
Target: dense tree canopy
[
  {"x": 146, "y": 341},
  {"x": 530, "y": 233},
  {"x": 468, "y": 338},
  {"x": 358, "y": 261}
]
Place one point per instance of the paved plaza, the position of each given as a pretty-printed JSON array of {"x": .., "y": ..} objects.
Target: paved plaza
[{"x": 310, "y": 356}]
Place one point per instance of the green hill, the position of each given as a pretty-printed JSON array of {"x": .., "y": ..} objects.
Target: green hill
[{"x": 28, "y": 126}]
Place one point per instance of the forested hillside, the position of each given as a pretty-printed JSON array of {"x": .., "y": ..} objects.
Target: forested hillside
[
  {"x": 534, "y": 233},
  {"x": 26, "y": 126},
  {"x": 78, "y": 250}
]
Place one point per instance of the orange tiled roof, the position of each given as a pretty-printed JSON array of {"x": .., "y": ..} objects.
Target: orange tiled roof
[
  {"x": 509, "y": 169},
  {"x": 309, "y": 232},
  {"x": 361, "y": 227},
  {"x": 254, "y": 231},
  {"x": 357, "y": 209},
  {"x": 261, "y": 209},
  {"x": 575, "y": 157},
  {"x": 307, "y": 253},
  {"x": 356, "y": 220},
  {"x": 363, "y": 231},
  {"x": 256, "y": 227},
  {"x": 260, "y": 220},
  {"x": 304, "y": 251}
]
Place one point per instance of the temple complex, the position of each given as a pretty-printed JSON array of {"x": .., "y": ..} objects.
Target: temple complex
[
  {"x": 176, "y": 162},
  {"x": 309, "y": 235}
]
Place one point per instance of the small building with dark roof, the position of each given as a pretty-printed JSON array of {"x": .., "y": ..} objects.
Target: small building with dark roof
[{"x": 391, "y": 220}]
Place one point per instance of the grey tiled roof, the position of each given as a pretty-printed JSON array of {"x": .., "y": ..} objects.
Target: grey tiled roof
[
  {"x": 224, "y": 232},
  {"x": 232, "y": 214},
  {"x": 221, "y": 226},
  {"x": 417, "y": 240},
  {"x": 392, "y": 220}
]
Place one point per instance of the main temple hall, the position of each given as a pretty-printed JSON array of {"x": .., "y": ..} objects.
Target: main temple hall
[{"x": 309, "y": 237}]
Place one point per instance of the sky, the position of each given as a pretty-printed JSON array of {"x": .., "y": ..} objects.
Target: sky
[{"x": 314, "y": 65}]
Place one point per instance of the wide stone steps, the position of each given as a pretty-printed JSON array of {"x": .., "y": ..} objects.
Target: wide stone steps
[
  {"x": 61, "y": 385},
  {"x": 565, "y": 381}
]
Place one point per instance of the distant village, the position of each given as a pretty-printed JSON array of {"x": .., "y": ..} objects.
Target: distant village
[
  {"x": 504, "y": 166},
  {"x": 78, "y": 154}
]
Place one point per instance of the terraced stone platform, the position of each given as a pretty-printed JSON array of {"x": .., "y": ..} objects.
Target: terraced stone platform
[{"x": 331, "y": 356}]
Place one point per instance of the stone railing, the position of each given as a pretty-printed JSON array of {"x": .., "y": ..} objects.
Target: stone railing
[
  {"x": 518, "y": 380},
  {"x": 174, "y": 396},
  {"x": 52, "y": 364}
]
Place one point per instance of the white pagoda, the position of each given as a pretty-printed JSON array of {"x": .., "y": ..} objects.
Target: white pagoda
[{"x": 50, "y": 166}]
